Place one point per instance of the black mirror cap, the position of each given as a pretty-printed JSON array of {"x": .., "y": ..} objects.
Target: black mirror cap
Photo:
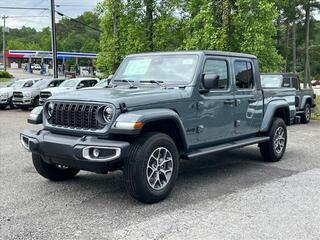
[
  {"x": 211, "y": 81},
  {"x": 35, "y": 116}
]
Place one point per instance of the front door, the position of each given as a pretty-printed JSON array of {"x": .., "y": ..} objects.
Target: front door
[
  {"x": 248, "y": 110},
  {"x": 216, "y": 108}
]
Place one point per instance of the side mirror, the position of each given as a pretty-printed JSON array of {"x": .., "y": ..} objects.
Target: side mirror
[
  {"x": 81, "y": 85},
  {"x": 210, "y": 81}
]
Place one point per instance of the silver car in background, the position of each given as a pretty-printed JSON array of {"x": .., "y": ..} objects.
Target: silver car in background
[
  {"x": 26, "y": 98},
  {"x": 68, "y": 86},
  {"x": 6, "y": 93}
]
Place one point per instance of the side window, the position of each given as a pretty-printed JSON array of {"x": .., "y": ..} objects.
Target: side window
[
  {"x": 93, "y": 82},
  {"x": 218, "y": 67},
  {"x": 87, "y": 83},
  {"x": 286, "y": 82},
  {"x": 28, "y": 84},
  {"x": 244, "y": 74},
  {"x": 295, "y": 83}
]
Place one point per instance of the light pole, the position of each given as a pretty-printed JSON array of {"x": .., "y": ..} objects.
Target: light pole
[
  {"x": 54, "y": 41},
  {"x": 4, "y": 43}
]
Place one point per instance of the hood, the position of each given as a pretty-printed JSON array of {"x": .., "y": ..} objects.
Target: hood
[
  {"x": 131, "y": 97},
  {"x": 57, "y": 90},
  {"x": 6, "y": 90}
]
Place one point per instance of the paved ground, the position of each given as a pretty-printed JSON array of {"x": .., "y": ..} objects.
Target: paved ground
[{"x": 227, "y": 196}]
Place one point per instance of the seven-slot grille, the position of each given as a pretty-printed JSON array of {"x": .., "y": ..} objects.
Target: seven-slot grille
[
  {"x": 17, "y": 95},
  {"x": 45, "y": 95},
  {"x": 74, "y": 115}
]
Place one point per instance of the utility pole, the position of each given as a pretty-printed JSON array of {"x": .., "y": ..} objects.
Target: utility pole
[
  {"x": 4, "y": 43},
  {"x": 54, "y": 41}
]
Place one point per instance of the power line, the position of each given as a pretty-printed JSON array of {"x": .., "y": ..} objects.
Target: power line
[
  {"x": 24, "y": 8},
  {"x": 77, "y": 21},
  {"x": 27, "y": 16}
]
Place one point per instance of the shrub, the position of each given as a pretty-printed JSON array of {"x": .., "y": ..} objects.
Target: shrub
[
  {"x": 316, "y": 111},
  {"x": 4, "y": 74}
]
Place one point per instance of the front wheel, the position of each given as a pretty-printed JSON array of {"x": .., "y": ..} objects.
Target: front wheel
[
  {"x": 151, "y": 169},
  {"x": 53, "y": 172},
  {"x": 273, "y": 150},
  {"x": 306, "y": 116}
]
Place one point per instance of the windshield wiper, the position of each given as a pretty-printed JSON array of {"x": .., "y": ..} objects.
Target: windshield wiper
[
  {"x": 127, "y": 81},
  {"x": 159, "y": 83}
]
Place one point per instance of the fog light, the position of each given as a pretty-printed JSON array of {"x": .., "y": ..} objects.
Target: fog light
[
  {"x": 25, "y": 142},
  {"x": 96, "y": 152}
]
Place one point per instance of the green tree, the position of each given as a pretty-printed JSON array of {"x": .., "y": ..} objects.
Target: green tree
[{"x": 254, "y": 32}]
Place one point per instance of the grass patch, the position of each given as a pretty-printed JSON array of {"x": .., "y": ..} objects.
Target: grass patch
[
  {"x": 316, "y": 111},
  {"x": 4, "y": 79}
]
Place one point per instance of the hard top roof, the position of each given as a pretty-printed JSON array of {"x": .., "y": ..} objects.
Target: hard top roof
[{"x": 205, "y": 52}]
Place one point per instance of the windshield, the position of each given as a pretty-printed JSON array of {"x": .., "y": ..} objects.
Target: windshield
[
  {"x": 19, "y": 84},
  {"x": 69, "y": 83},
  {"x": 167, "y": 69},
  {"x": 41, "y": 83},
  {"x": 12, "y": 84},
  {"x": 271, "y": 81},
  {"x": 102, "y": 83}
]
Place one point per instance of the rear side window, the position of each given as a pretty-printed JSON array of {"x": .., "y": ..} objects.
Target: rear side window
[
  {"x": 286, "y": 82},
  {"x": 244, "y": 74},
  {"x": 218, "y": 67},
  {"x": 295, "y": 83}
]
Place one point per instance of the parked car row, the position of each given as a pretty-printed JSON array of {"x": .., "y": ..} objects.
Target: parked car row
[{"x": 29, "y": 93}]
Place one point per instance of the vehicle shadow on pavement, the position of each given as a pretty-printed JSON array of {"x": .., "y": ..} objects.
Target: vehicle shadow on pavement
[{"x": 199, "y": 180}]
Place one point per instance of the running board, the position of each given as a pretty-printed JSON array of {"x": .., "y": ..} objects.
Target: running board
[{"x": 223, "y": 147}]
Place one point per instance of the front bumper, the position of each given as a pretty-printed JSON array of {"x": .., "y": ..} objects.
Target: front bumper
[
  {"x": 72, "y": 151},
  {"x": 4, "y": 101},
  {"x": 24, "y": 102}
]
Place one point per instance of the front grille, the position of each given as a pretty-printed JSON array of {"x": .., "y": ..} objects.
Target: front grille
[
  {"x": 73, "y": 115},
  {"x": 17, "y": 95},
  {"x": 45, "y": 95}
]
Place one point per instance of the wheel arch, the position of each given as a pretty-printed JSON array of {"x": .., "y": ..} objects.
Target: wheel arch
[
  {"x": 155, "y": 120},
  {"x": 274, "y": 109}
]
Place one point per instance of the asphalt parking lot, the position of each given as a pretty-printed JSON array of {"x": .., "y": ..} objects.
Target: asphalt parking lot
[{"x": 231, "y": 195}]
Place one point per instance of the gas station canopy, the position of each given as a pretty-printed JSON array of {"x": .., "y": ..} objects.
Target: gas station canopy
[{"x": 47, "y": 54}]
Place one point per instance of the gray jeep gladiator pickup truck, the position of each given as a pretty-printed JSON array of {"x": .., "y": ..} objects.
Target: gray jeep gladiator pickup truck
[
  {"x": 305, "y": 98},
  {"x": 158, "y": 109}
]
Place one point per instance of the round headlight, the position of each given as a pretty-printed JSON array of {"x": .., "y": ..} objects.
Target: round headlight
[
  {"x": 108, "y": 113},
  {"x": 50, "y": 109}
]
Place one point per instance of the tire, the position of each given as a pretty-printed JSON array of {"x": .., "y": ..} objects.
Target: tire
[
  {"x": 306, "y": 116},
  {"x": 272, "y": 151},
  {"x": 2, "y": 107},
  {"x": 24, "y": 108},
  {"x": 36, "y": 102},
  {"x": 11, "y": 104},
  {"x": 141, "y": 170},
  {"x": 52, "y": 172}
]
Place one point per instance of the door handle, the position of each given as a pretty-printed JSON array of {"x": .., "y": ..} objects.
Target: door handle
[
  {"x": 229, "y": 102},
  {"x": 252, "y": 100}
]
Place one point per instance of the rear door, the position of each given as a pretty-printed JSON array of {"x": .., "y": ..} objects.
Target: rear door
[
  {"x": 216, "y": 108},
  {"x": 247, "y": 97}
]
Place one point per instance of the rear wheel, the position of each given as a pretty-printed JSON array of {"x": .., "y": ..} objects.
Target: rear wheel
[
  {"x": 306, "y": 116},
  {"x": 273, "y": 150},
  {"x": 3, "y": 107},
  {"x": 53, "y": 172},
  {"x": 151, "y": 169}
]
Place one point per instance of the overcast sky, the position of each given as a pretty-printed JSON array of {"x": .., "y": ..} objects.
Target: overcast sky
[{"x": 72, "y": 8}]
